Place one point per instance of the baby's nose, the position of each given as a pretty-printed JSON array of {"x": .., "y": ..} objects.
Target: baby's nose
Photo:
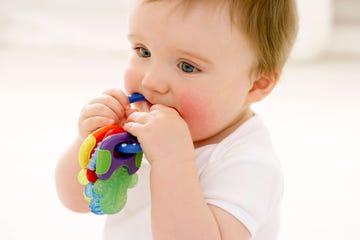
[{"x": 155, "y": 80}]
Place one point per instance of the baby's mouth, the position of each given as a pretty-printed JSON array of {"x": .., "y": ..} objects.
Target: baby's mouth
[
  {"x": 143, "y": 106},
  {"x": 140, "y": 102},
  {"x": 146, "y": 106}
]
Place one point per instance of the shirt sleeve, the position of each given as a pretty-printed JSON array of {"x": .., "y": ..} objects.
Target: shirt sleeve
[{"x": 248, "y": 186}]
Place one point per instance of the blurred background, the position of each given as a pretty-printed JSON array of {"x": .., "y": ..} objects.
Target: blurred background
[{"x": 57, "y": 54}]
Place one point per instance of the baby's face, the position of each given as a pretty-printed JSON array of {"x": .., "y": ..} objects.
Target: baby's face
[{"x": 195, "y": 61}]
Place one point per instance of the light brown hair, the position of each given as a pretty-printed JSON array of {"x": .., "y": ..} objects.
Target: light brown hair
[{"x": 270, "y": 26}]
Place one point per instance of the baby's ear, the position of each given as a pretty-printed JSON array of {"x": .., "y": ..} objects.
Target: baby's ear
[{"x": 262, "y": 85}]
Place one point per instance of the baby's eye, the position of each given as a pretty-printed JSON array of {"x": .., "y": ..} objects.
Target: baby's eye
[
  {"x": 143, "y": 52},
  {"x": 188, "y": 68}
]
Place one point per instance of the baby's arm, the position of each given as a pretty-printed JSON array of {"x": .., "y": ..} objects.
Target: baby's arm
[
  {"x": 111, "y": 107},
  {"x": 178, "y": 207},
  {"x": 70, "y": 192}
]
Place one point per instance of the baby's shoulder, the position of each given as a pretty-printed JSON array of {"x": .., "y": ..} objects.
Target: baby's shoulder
[{"x": 249, "y": 144}]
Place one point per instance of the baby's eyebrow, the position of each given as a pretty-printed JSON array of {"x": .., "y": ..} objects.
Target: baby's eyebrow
[
  {"x": 193, "y": 54},
  {"x": 133, "y": 36}
]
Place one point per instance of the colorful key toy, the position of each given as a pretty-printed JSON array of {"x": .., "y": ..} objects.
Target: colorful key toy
[{"x": 109, "y": 158}]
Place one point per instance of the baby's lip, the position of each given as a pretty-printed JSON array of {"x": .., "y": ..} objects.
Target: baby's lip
[
  {"x": 143, "y": 106},
  {"x": 140, "y": 102},
  {"x": 149, "y": 105}
]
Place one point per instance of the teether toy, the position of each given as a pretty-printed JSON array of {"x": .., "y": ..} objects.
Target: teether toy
[{"x": 109, "y": 158}]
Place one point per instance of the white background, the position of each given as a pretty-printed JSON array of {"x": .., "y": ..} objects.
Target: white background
[{"x": 55, "y": 55}]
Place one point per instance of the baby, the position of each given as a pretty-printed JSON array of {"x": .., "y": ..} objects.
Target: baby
[{"x": 212, "y": 171}]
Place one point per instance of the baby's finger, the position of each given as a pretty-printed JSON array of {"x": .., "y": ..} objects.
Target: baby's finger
[
  {"x": 162, "y": 108},
  {"x": 139, "y": 117},
  {"x": 89, "y": 125},
  {"x": 111, "y": 103},
  {"x": 98, "y": 109},
  {"x": 130, "y": 111},
  {"x": 120, "y": 97},
  {"x": 133, "y": 128}
]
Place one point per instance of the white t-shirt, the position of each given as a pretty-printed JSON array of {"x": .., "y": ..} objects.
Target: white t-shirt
[{"x": 241, "y": 175}]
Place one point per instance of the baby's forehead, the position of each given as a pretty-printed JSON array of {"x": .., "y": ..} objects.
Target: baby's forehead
[
  {"x": 204, "y": 32},
  {"x": 184, "y": 8},
  {"x": 151, "y": 15},
  {"x": 187, "y": 5},
  {"x": 184, "y": 15},
  {"x": 229, "y": 9}
]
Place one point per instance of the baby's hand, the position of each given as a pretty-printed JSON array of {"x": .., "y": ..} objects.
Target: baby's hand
[
  {"x": 111, "y": 107},
  {"x": 162, "y": 134}
]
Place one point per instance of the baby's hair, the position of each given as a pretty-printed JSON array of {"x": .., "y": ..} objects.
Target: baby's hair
[{"x": 270, "y": 26}]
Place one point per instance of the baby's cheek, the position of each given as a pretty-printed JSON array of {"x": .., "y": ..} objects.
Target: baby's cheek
[
  {"x": 131, "y": 77},
  {"x": 195, "y": 110}
]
